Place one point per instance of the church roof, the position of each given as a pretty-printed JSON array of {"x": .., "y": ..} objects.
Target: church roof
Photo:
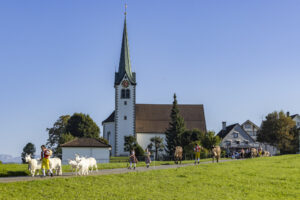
[
  {"x": 124, "y": 64},
  {"x": 85, "y": 142},
  {"x": 155, "y": 118}
]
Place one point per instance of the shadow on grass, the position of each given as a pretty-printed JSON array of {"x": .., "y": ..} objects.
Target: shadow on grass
[{"x": 13, "y": 173}]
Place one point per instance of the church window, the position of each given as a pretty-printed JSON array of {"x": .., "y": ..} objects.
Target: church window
[
  {"x": 127, "y": 93},
  {"x": 125, "y": 103},
  {"x": 235, "y": 135},
  {"x": 125, "y": 117},
  {"x": 108, "y": 135},
  {"x": 123, "y": 94}
]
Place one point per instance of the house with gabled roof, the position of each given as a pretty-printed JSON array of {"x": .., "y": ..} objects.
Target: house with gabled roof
[{"x": 235, "y": 138}]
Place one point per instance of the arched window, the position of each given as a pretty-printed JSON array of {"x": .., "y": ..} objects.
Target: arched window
[
  {"x": 108, "y": 136},
  {"x": 127, "y": 94}
]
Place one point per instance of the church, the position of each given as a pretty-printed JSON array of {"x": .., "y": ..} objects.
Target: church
[{"x": 143, "y": 121}]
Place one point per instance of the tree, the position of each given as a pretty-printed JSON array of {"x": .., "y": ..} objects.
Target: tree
[
  {"x": 81, "y": 125},
  {"x": 175, "y": 129},
  {"x": 56, "y": 135},
  {"x": 278, "y": 130},
  {"x": 210, "y": 140},
  {"x": 157, "y": 143},
  {"x": 130, "y": 143},
  {"x": 29, "y": 148}
]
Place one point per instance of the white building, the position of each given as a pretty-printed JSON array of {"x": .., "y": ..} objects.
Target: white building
[
  {"x": 143, "y": 121},
  {"x": 296, "y": 118},
  {"x": 88, "y": 147}
]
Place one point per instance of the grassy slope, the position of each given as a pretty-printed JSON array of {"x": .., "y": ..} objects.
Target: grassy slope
[
  {"x": 260, "y": 178},
  {"x": 22, "y": 169}
]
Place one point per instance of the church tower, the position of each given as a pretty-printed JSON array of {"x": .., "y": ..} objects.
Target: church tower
[{"x": 125, "y": 85}]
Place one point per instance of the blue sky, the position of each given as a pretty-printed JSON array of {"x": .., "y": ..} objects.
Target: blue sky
[{"x": 238, "y": 58}]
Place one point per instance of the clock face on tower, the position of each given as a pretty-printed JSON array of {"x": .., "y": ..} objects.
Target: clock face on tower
[{"x": 125, "y": 83}]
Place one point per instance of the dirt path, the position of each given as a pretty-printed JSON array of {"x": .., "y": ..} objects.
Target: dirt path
[{"x": 100, "y": 172}]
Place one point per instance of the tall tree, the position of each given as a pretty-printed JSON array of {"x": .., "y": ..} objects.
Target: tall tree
[
  {"x": 82, "y": 125},
  {"x": 158, "y": 144},
  {"x": 278, "y": 130},
  {"x": 210, "y": 140},
  {"x": 57, "y": 135},
  {"x": 175, "y": 129},
  {"x": 29, "y": 148}
]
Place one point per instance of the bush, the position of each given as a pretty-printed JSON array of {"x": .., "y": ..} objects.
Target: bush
[
  {"x": 139, "y": 152},
  {"x": 204, "y": 153},
  {"x": 0, "y": 162}
]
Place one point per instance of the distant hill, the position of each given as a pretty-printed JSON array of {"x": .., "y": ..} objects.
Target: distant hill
[{"x": 10, "y": 159}]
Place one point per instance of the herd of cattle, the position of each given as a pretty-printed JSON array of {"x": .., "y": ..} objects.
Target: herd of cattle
[{"x": 216, "y": 153}]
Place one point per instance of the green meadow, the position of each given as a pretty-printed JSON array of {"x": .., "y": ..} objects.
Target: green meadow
[{"x": 258, "y": 178}]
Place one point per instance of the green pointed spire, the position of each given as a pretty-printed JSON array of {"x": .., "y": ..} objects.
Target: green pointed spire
[{"x": 124, "y": 64}]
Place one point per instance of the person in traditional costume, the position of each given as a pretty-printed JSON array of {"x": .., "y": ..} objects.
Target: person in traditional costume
[
  {"x": 132, "y": 160},
  {"x": 197, "y": 150},
  {"x": 147, "y": 157}
]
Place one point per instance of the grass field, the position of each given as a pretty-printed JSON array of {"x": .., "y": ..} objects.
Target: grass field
[
  {"x": 259, "y": 178},
  {"x": 22, "y": 169}
]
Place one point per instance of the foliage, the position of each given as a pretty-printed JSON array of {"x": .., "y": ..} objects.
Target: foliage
[
  {"x": 56, "y": 135},
  {"x": 0, "y": 162},
  {"x": 82, "y": 125},
  {"x": 260, "y": 178},
  {"x": 102, "y": 139},
  {"x": 29, "y": 148},
  {"x": 210, "y": 140},
  {"x": 189, "y": 139},
  {"x": 158, "y": 144},
  {"x": 204, "y": 153},
  {"x": 279, "y": 130},
  {"x": 175, "y": 129},
  {"x": 130, "y": 143}
]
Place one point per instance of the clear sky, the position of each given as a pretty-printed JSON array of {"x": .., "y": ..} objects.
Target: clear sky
[{"x": 238, "y": 58}]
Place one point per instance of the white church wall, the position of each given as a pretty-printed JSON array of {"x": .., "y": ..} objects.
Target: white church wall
[
  {"x": 125, "y": 118},
  {"x": 143, "y": 139},
  {"x": 100, "y": 154},
  {"x": 109, "y": 133}
]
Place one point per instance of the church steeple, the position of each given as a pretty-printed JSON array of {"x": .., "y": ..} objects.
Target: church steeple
[{"x": 124, "y": 64}]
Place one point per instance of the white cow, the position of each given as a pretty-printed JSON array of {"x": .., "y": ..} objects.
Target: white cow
[
  {"x": 74, "y": 165},
  {"x": 83, "y": 167}
]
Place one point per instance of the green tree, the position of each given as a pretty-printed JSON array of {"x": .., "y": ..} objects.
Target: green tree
[
  {"x": 158, "y": 144},
  {"x": 82, "y": 125},
  {"x": 130, "y": 143},
  {"x": 56, "y": 135},
  {"x": 210, "y": 140},
  {"x": 29, "y": 148},
  {"x": 175, "y": 129},
  {"x": 279, "y": 130}
]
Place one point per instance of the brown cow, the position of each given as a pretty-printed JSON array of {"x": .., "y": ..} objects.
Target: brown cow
[
  {"x": 216, "y": 153},
  {"x": 266, "y": 154},
  {"x": 253, "y": 152},
  {"x": 178, "y": 154}
]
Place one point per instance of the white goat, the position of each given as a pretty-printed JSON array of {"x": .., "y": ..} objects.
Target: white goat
[
  {"x": 83, "y": 167},
  {"x": 33, "y": 164},
  {"x": 74, "y": 165},
  {"x": 55, "y": 164},
  {"x": 92, "y": 163}
]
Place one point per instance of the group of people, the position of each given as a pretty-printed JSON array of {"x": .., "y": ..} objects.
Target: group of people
[{"x": 133, "y": 159}]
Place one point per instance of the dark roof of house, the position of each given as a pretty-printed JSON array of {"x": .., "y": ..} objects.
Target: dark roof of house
[
  {"x": 85, "y": 142},
  {"x": 250, "y": 122},
  {"x": 111, "y": 118},
  {"x": 293, "y": 116},
  {"x": 155, "y": 118},
  {"x": 222, "y": 133}
]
